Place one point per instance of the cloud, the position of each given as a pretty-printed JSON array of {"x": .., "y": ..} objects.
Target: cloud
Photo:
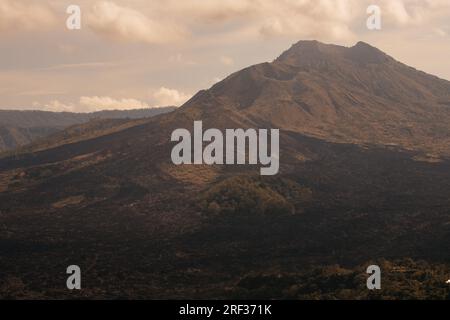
[
  {"x": 212, "y": 11},
  {"x": 91, "y": 104},
  {"x": 301, "y": 18},
  {"x": 414, "y": 12},
  {"x": 319, "y": 19},
  {"x": 18, "y": 15},
  {"x": 96, "y": 103},
  {"x": 54, "y": 106},
  {"x": 309, "y": 19},
  {"x": 127, "y": 24},
  {"x": 170, "y": 97},
  {"x": 227, "y": 61},
  {"x": 398, "y": 11},
  {"x": 172, "y": 21}
]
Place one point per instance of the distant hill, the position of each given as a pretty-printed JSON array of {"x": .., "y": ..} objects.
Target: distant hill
[
  {"x": 357, "y": 94},
  {"x": 19, "y": 128},
  {"x": 12, "y": 137}
]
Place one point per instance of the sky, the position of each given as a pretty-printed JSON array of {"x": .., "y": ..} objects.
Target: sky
[{"x": 150, "y": 53}]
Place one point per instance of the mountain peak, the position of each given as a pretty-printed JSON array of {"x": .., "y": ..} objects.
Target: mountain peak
[
  {"x": 307, "y": 52},
  {"x": 307, "y": 43},
  {"x": 364, "y": 52},
  {"x": 363, "y": 44}
]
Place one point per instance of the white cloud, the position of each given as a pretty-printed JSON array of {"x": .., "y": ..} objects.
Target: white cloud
[
  {"x": 25, "y": 15},
  {"x": 271, "y": 27},
  {"x": 170, "y": 97},
  {"x": 301, "y": 18},
  {"x": 319, "y": 19},
  {"x": 54, "y": 106},
  {"x": 155, "y": 21},
  {"x": 91, "y": 104},
  {"x": 414, "y": 12},
  {"x": 88, "y": 104},
  {"x": 163, "y": 96},
  {"x": 228, "y": 61},
  {"x": 310, "y": 18},
  {"x": 123, "y": 23},
  {"x": 171, "y": 21}
]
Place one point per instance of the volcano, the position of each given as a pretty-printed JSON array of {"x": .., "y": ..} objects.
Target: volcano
[
  {"x": 356, "y": 95},
  {"x": 364, "y": 176}
]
